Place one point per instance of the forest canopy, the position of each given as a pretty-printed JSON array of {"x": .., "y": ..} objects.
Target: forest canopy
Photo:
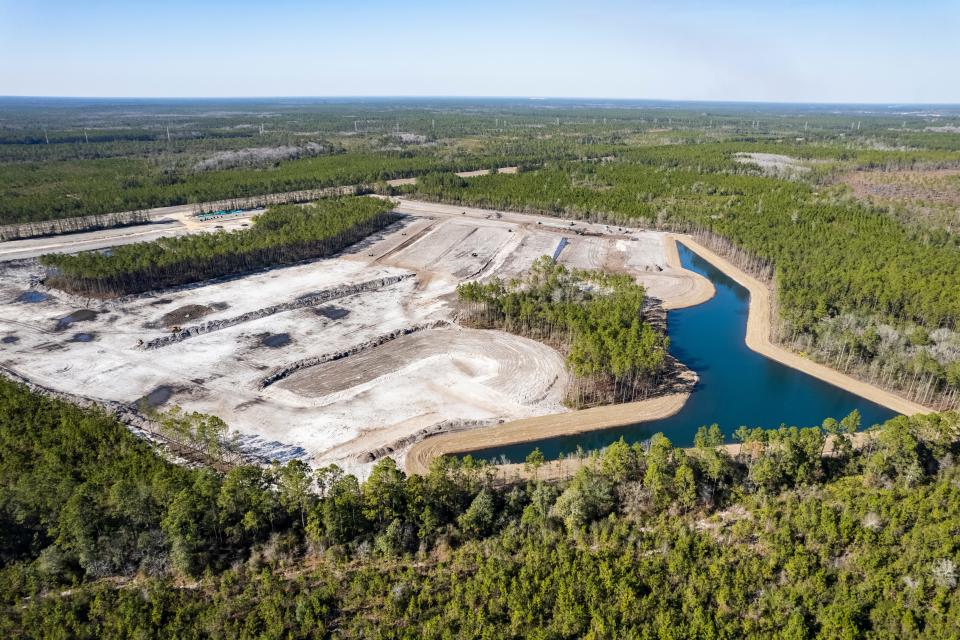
[
  {"x": 283, "y": 235},
  {"x": 101, "y": 538},
  {"x": 596, "y": 319}
]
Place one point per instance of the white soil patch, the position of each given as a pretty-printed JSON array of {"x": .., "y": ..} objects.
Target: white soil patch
[
  {"x": 336, "y": 411},
  {"x": 773, "y": 163}
]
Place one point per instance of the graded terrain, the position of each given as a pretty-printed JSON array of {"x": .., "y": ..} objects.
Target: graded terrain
[{"x": 341, "y": 360}]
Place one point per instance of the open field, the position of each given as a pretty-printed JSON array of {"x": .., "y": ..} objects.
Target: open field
[{"x": 385, "y": 361}]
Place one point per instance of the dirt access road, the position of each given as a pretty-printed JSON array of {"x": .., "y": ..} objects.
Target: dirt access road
[
  {"x": 164, "y": 222},
  {"x": 168, "y": 222}
]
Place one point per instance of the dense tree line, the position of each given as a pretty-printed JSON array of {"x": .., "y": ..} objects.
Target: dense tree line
[
  {"x": 596, "y": 319},
  {"x": 73, "y": 188},
  {"x": 71, "y": 225},
  {"x": 831, "y": 256},
  {"x": 282, "y": 235},
  {"x": 103, "y": 539}
]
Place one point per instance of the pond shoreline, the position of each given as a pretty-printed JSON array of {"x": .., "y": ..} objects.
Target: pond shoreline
[{"x": 757, "y": 339}]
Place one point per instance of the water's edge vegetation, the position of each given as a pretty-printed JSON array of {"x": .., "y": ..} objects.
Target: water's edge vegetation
[{"x": 736, "y": 386}]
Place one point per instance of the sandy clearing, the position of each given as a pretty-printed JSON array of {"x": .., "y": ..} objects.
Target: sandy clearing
[
  {"x": 218, "y": 372},
  {"x": 455, "y": 248},
  {"x": 399, "y": 182},
  {"x": 529, "y": 248},
  {"x": 585, "y": 252},
  {"x": 486, "y": 172},
  {"x": 773, "y": 163},
  {"x": 474, "y": 174},
  {"x": 236, "y": 296},
  {"x": 676, "y": 287},
  {"x": 758, "y": 338},
  {"x": 527, "y": 371},
  {"x": 646, "y": 255},
  {"x": 443, "y": 375}
]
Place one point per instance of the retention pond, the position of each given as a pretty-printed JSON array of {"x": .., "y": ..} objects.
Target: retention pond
[{"x": 737, "y": 386}]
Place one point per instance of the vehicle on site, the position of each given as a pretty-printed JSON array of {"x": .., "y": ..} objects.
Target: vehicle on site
[{"x": 213, "y": 215}]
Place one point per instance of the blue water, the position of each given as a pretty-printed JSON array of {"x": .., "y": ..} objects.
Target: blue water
[{"x": 737, "y": 386}]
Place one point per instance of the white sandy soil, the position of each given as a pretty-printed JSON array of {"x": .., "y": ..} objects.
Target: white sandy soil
[{"x": 337, "y": 411}]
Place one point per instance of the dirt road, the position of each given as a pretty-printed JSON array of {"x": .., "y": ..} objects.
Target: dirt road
[{"x": 168, "y": 222}]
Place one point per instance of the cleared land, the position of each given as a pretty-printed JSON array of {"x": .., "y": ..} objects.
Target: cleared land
[
  {"x": 377, "y": 399},
  {"x": 775, "y": 164},
  {"x": 928, "y": 196},
  {"x": 934, "y": 186}
]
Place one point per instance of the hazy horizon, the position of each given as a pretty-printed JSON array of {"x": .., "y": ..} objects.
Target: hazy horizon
[
  {"x": 348, "y": 99},
  {"x": 814, "y": 52}
]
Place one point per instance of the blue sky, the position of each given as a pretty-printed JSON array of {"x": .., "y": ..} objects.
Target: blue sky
[{"x": 814, "y": 51}]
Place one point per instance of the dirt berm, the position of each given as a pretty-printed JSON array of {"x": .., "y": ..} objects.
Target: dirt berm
[{"x": 304, "y": 301}]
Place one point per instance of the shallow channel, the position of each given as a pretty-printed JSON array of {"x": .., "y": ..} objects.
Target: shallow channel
[{"x": 737, "y": 386}]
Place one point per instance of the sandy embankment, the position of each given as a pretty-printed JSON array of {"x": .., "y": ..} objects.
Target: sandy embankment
[
  {"x": 691, "y": 288},
  {"x": 701, "y": 289},
  {"x": 758, "y": 339},
  {"x": 686, "y": 289},
  {"x": 551, "y": 426}
]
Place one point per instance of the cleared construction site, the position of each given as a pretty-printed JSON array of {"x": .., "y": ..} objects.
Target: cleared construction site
[{"x": 340, "y": 360}]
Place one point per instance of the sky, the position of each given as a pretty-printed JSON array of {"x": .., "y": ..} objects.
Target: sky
[{"x": 857, "y": 51}]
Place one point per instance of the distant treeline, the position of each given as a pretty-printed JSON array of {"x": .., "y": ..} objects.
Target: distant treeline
[
  {"x": 283, "y": 235},
  {"x": 77, "y": 188}
]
